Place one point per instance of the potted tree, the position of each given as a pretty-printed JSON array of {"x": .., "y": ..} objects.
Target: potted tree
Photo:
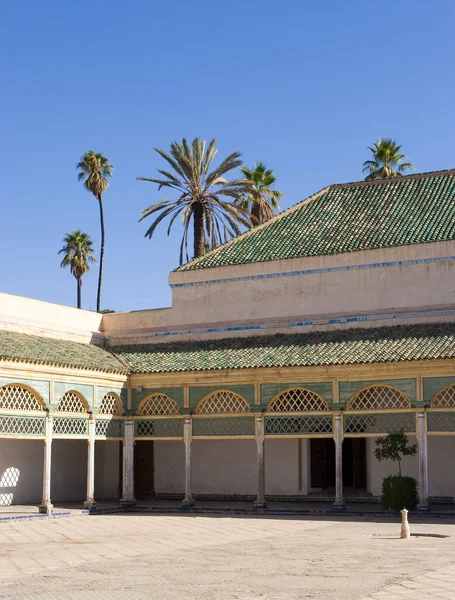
[{"x": 398, "y": 491}]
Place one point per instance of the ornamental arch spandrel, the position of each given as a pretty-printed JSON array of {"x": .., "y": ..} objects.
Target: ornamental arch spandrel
[
  {"x": 222, "y": 402},
  {"x": 444, "y": 398},
  {"x": 111, "y": 404},
  {"x": 15, "y": 396},
  {"x": 157, "y": 404},
  {"x": 297, "y": 399},
  {"x": 378, "y": 397},
  {"x": 73, "y": 402}
]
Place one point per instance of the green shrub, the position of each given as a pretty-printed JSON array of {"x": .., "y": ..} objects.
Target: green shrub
[{"x": 399, "y": 492}]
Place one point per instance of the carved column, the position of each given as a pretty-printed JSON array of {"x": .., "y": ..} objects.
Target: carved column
[
  {"x": 90, "y": 500},
  {"x": 46, "y": 505},
  {"x": 423, "y": 462},
  {"x": 338, "y": 437},
  {"x": 187, "y": 435},
  {"x": 260, "y": 500},
  {"x": 128, "y": 463}
]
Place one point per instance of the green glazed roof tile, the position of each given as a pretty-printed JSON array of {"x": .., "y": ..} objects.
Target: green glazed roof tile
[
  {"x": 415, "y": 209},
  {"x": 350, "y": 346},
  {"x": 41, "y": 350}
]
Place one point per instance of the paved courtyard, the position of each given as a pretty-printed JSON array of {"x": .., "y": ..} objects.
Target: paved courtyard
[{"x": 133, "y": 556}]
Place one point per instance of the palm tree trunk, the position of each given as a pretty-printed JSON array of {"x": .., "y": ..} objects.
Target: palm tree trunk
[
  {"x": 255, "y": 214},
  {"x": 100, "y": 276},
  {"x": 198, "y": 230},
  {"x": 79, "y": 290}
]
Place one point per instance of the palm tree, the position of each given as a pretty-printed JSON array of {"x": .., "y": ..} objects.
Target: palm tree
[
  {"x": 95, "y": 169},
  {"x": 262, "y": 201},
  {"x": 387, "y": 160},
  {"x": 200, "y": 195},
  {"x": 78, "y": 253}
]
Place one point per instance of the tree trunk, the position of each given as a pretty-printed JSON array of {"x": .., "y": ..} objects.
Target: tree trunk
[
  {"x": 255, "y": 214},
  {"x": 79, "y": 289},
  {"x": 198, "y": 230},
  {"x": 100, "y": 276}
]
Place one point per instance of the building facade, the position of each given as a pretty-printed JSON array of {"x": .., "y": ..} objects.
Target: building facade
[{"x": 285, "y": 354}]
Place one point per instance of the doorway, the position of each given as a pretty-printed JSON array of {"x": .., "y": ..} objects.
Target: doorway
[
  {"x": 144, "y": 469},
  {"x": 322, "y": 456}
]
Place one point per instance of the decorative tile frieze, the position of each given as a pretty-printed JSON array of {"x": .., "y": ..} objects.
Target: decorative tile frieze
[
  {"x": 158, "y": 428},
  {"x": 379, "y": 423},
  {"x": 441, "y": 422},
  {"x": 297, "y": 425},
  {"x": 68, "y": 426},
  {"x": 23, "y": 426},
  {"x": 227, "y": 426},
  {"x": 113, "y": 428}
]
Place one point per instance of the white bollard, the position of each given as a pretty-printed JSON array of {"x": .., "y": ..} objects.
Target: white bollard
[{"x": 405, "y": 532}]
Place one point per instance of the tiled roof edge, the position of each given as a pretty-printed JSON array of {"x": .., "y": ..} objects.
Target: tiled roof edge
[
  {"x": 186, "y": 267},
  {"x": 394, "y": 179},
  {"x": 125, "y": 371}
]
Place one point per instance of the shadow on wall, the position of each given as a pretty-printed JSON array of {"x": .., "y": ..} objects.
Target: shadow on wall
[{"x": 8, "y": 481}]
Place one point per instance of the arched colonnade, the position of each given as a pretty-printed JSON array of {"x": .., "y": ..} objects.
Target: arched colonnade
[{"x": 295, "y": 412}]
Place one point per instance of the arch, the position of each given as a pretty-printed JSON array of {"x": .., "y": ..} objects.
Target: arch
[
  {"x": 445, "y": 398},
  {"x": 378, "y": 397},
  {"x": 111, "y": 404},
  {"x": 297, "y": 399},
  {"x": 73, "y": 402},
  {"x": 157, "y": 404},
  {"x": 20, "y": 397},
  {"x": 222, "y": 402}
]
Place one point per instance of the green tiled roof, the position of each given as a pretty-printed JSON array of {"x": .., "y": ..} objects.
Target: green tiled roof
[
  {"x": 33, "y": 349},
  {"x": 345, "y": 218},
  {"x": 351, "y": 346}
]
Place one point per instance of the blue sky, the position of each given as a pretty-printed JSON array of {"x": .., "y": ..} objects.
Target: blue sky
[{"x": 303, "y": 86}]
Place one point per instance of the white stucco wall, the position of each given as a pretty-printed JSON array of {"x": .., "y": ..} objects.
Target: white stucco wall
[
  {"x": 441, "y": 465},
  {"x": 324, "y": 290},
  {"x": 224, "y": 466},
  {"x": 282, "y": 467},
  {"x": 169, "y": 467},
  {"x": 69, "y": 471},
  {"x": 107, "y": 470},
  {"x": 21, "y": 471},
  {"x": 376, "y": 471},
  {"x": 35, "y": 317}
]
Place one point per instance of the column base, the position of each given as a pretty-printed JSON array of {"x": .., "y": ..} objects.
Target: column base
[
  {"x": 125, "y": 503},
  {"x": 188, "y": 502},
  {"x": 89, "y": 503},
  {"x": 424, "y": 507},
  {"x": 339, "y": 505},
  {"x": 260, "y": 505},
  {"x": 46, "y": 508}
]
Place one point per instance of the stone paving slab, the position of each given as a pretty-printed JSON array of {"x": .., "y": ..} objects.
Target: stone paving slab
[{"x": 134, "y": 556}]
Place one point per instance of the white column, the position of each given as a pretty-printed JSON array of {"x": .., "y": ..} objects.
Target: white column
[
  {"x": 128, "y": 464},
  {"x": 423, "y": 462},
  {"x": 46, "y": 505},
  {"x": 187, "y": 435},
  {"x": 90, "y": 500},
  {"x": 260, "y": 500},
  {"x": 338, "y": 437}
]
